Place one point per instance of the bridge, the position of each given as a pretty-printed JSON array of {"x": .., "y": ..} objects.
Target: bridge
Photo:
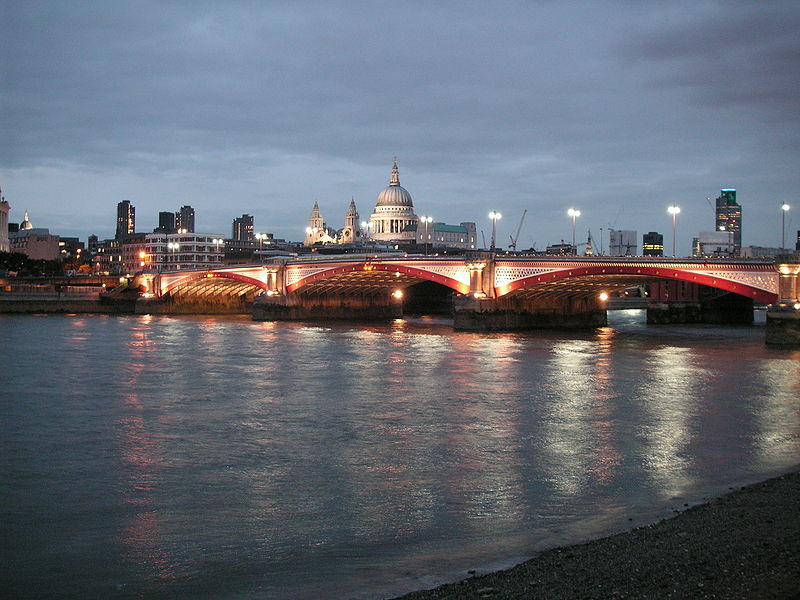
[{"x": 488, "y": 292}]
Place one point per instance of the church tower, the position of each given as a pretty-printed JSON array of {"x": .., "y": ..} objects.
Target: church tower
[
  {"x": 351, "y": 232},
  {"x": 316, "y": 227}
]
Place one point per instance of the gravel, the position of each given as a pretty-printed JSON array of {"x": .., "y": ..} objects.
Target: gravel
[{"x": 745, "y": 545}]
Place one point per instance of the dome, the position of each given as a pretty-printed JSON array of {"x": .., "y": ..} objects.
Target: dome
[
  {"x": 395, "y": 194},
  {"x": 26, "y": 224}
]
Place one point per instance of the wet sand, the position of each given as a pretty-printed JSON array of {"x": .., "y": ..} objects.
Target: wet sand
[{"x": 744, "y": 545}]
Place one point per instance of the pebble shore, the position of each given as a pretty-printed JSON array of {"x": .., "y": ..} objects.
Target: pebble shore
[{"x": 744, "y": 545}]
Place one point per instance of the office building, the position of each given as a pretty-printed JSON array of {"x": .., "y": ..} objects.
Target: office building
[
  {"x": 184, "y": 220},
  {"x": 652, "y": 244},
  {"x": 126, "y": 219},
  {"x": 243, "y": 229},
  {"x": 166, "y": 222},
  {"x": 729, "y": 217}
]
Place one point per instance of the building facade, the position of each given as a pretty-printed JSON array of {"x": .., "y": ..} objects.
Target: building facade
[
  {"x": 729, "y": 217},
  {"x": 126, "y": 219},
  {"x": 442, "y": 235},
  {"x": 36, "y": 243},
  {"x": 652, "y": 244},
  {"x": 172, "y": 252},
  {"x": 184, "y": 220},
  {"x": 166, "y": 222},
  {"x": 622, "y": 242},
  {"x": 242, "y": 229},
  {"x": 714, "y": 244}
]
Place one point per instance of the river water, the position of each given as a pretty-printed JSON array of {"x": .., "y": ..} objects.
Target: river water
[{"x": 200, "y": 457}]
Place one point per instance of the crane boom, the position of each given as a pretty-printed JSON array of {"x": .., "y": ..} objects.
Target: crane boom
[{"x": 514, "y": 239}]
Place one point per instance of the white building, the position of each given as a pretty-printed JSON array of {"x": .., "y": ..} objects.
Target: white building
[
  {"x": 713, "y": 244},
  {"x": 442, "y": 235},
  {"x": 172, "y": 251},
  {"x": 622, "y": 242}
]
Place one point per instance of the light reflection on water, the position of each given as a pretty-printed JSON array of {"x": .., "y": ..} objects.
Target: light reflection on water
[{"x": 222, "y": 458}]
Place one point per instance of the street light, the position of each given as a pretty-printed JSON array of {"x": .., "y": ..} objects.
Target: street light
[
  {"x": 217, "y": 243},
  {"x": 574, "y": 213},
  {"x": 673, "y": 210},
  {"x": 426, "y": 220},
  {"x": 173, "y": 246},
  {"x": 784, "y": 208},
  {"x": 494, "y": 215},
  {"x": 365, "y": 230}
]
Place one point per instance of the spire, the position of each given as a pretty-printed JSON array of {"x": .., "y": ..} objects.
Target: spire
[
  {"x": 315, "y": 211},
  {"x": 351, "y": 210},
  {"x": 395, "y": 179}
]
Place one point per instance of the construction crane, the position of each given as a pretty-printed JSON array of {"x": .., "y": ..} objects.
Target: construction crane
[{"x": 513, "y": 244}]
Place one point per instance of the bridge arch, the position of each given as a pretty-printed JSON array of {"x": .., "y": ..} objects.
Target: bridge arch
[
  {"x": 366, "y": 268},
  {"x": 666, "y": 272},
  {"x": 207, "y": 277}
]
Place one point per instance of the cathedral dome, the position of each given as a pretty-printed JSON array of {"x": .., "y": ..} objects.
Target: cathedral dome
[{"x": 395, "y": 194}]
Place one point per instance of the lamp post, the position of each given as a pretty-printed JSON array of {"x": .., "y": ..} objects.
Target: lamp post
[
  {"x": 494, "y": 215},
  {"x": 217, "y": 242},
  {"x": 784, "y": 209},
  {"x": 574, "y": 213},
  {"x": 427, "y": 221},
  {"x": 673, "y": 210},
  {"x": 173, "y": 246}
]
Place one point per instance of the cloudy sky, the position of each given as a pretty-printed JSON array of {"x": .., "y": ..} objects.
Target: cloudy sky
[{"x": 616, "y": 108}]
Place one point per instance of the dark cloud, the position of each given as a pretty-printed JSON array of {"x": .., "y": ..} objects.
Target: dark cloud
[{"x": 622, "y": 107}]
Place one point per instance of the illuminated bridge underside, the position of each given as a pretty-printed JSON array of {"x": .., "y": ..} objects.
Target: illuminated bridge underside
[
  {"x": 752, "y": 281},
  {"x": 376, "y": 278},
  {"x": 214, "y": 287}
]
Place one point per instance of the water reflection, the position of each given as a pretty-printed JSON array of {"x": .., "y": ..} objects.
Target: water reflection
[{"x": 245, "y": 453}]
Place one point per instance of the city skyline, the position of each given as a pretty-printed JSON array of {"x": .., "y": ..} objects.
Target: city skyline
[{"x": 538, "y": 107}]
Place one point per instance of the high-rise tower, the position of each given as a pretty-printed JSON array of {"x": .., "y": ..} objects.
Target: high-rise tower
[
  {"x": 729, "y": 217},
  {"x": 243, "y": 228},
  {"x": 126, "y": 219},
  {"x": 184, "y": 220}
]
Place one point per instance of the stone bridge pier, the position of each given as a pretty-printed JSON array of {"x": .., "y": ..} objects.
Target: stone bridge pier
[
  {"x": 483, "y": 310},
  {"x": 783, "y": 317}
]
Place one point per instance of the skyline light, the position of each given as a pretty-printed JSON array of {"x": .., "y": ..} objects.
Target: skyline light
[{"x": 263, "y": 109}]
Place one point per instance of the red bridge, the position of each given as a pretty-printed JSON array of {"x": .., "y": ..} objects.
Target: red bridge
[{"x": 489, "y": 292}]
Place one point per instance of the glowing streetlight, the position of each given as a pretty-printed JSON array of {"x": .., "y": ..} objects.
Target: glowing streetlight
[
  {"x": 574, "y": 213},
  {"x": 784, "y": 209},
  {"x": 173, "y": 246},
  {"x": 673, "y": 210},
  {"x": 494, "y": 215},
  {"x": 365, "y": 230},
  {"x": 427, "y": 221}
]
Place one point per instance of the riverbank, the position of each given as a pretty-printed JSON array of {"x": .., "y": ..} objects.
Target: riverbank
[{"x": 744, "y": 545}]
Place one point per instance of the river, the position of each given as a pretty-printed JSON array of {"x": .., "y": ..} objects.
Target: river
[{"x": 221, "y": 458}]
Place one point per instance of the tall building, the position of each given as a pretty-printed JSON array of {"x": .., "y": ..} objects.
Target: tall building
[
  {"x": 243, "y": 228},
  {"x": 126, "y": 219},
  {"x": 393, "y": 219},
  {"x": 729, "y": 217},
  {"x": 652, "y": 244},
  {"x": 622, "y": 243},
  {"x": 4, "y": 209},
  {"x": 184, "y": 220},
  {"x": 166, "y": 222}
]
